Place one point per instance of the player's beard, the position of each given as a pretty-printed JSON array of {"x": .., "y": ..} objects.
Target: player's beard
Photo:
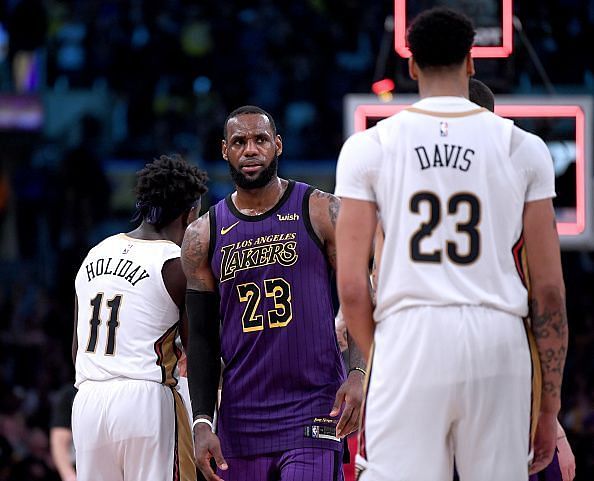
[{"x": 262, "y": 180}]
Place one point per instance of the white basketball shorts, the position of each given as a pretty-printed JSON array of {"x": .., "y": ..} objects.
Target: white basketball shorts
[
  {"x": 131, "y": 430},
  {"x": 448, "y": 382}
]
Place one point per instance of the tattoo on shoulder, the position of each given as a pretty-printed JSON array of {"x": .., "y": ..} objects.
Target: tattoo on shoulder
[
  {"x": 333, "y": 204},
  {"x": 195, "y": 245},
  {"x": 333, "y": 208}
]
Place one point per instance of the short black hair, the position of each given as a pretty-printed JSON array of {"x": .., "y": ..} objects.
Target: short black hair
[
  {"x": 166, "y": 188},
  {"x": 480, "y": 94},
  {"x": 248, "y": 109},
  {"x": 440, "y": 37}
]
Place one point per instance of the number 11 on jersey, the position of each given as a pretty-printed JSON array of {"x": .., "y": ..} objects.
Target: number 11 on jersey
[{"x": 112, "y": 325}]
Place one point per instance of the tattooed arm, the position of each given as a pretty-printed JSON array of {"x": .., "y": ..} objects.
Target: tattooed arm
[
  {"x": 547, "y": 298},
  {"x": 324, "y": 209},
  {"x": 204, "y": 347},
  {"x": 549, "y": 318},
  {"x": 323, "y": 212},
  {"x": 194, "y": 255}
]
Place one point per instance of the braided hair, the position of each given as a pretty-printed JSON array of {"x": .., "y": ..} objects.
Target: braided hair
[{"x": 166, "y": 188}]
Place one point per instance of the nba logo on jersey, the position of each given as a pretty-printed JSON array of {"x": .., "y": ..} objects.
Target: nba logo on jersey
[
  {"x": 127, "y": 249},
  {"x": 443, "y": 129}
]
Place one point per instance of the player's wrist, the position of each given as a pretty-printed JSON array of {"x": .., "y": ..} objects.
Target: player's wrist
[
  {"x": 550, "y": 408},
  {"x": 357, "y": 371},
  {"x": 202, "y": 423},
  {"x": 548, "y": 415}
]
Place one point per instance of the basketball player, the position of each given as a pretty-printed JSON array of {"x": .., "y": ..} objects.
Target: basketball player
[
  {"x": 129, "y": 421},
  {"x": 260, "y": 262},
  {"x": 480, "y": 94},
  {"x": 459, "y": 190},
  {"x": 562, "y": 467}
]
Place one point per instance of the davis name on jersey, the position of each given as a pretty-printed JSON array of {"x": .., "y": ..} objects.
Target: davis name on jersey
[{"x": 445, "y": 155}]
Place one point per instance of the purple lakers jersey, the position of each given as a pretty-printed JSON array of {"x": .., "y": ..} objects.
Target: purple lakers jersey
[{"x": 282, "y": 361}]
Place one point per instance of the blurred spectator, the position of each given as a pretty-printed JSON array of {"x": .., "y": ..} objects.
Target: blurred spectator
[{"x": 61, "y": 445}]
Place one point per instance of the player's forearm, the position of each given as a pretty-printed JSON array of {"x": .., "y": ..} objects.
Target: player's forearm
[
  {"x": 356, "y": 357},
  {"x": 203, "y": 352},
  {"x": 357, "y": 310},
  {"x": 362, "y": 329},
  {"x": 203, "y": 377},
  {"x": 549, "y": 325}
]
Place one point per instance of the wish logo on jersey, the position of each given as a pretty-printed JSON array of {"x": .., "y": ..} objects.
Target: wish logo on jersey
[
  {"x": 258, "y": 252},
  {"x": 287, "y": 217}
]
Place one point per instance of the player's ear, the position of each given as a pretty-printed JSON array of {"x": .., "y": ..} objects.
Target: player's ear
[
  {"x": 279, "y": 144},
  {"x": 412, "y": 69},
  {"x": 224, "y": 149},
  {"x": 469, "y": 65},
  {"x": 194, "y": 212}
]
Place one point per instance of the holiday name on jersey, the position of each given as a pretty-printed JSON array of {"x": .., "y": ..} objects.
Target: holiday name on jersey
[
  {"x": 445, "y": 155},
  {"x": 258, "y": 252},
  {"x": 123, "y": 268}
]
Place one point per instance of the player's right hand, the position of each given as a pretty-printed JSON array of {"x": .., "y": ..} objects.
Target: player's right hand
[
  {"x": 566, "y": 459},
  {"x": 544, "y": 441},
  {"x": 207, "y": 446}
]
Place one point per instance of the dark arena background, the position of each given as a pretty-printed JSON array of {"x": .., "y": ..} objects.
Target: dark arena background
[{"x": 91, "y": 90}]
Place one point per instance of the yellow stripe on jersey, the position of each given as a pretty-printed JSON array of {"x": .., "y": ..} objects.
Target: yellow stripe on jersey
[
  {"x": 536, "y": 380},
  {"x": 521, "y": 261},
  {"x": 167, "y": 355},
  {"x": 185, "y": 468}
]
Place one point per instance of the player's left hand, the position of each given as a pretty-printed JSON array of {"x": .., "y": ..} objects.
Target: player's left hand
[
  {"x": 544, "y": 442},
  {"x": 351, "y": 394},
  {"x": 566, "y": 459}
]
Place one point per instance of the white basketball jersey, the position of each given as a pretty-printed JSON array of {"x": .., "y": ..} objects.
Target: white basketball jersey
[
  {"x": 450, "y": 190},
  {"x": 127, "y": 321}
]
